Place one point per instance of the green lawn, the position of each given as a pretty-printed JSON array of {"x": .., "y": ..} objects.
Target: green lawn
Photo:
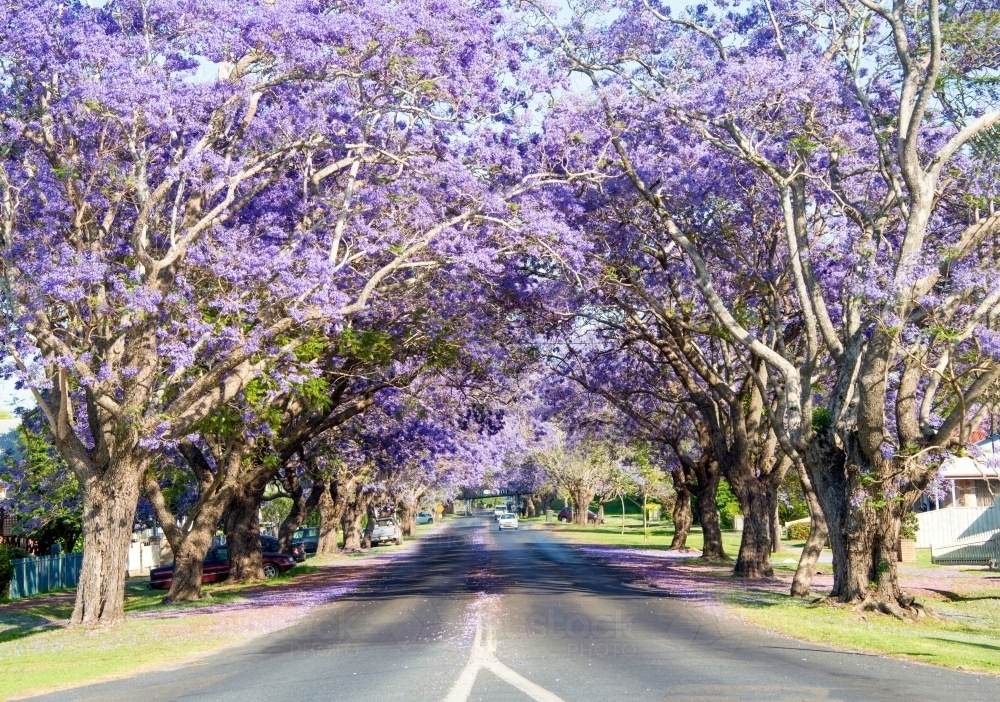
[{"x": 969, "y": 638}]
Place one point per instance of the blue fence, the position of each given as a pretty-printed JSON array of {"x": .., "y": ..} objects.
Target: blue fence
[{"x": 36, "y": 575}]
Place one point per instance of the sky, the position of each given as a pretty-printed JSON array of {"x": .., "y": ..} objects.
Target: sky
[{"x": 10, "y": 398}]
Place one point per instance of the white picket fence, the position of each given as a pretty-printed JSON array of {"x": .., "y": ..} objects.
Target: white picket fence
[{"x": 957, "y": 525}]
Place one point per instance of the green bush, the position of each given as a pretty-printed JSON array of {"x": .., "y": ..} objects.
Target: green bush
[
  {"x": 727, "y": 504},
  {"x": 798, "y": 531},
  {"x": 910, "y": 526},
  {"x": 8, "y": 554}
]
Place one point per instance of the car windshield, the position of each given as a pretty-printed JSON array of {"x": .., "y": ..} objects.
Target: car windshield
[{"x": 384, "y": 522}]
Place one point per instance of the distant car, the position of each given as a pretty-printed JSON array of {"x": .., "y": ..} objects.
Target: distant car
[
  {"x": 425, "y": 518},
  {"x": 215, "y": 568},
  {"x": 497, "y": 511},
  {"x": 566, "y": 515},
  {"x": 387, "y": 530},
  {"x": 508, "y": 520},
  {"x": 272, "y": 545},
  {"x": 308, "y": 537}
]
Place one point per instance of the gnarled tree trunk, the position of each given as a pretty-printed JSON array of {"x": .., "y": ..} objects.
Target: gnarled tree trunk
[
  {"x": 818, "y": 534},
  {"x": 109, "y": 505},
  {"x": 302, "y": 505},
  {"x": 683, "y": 517},
  {"x": 242, "y": 522},
  {"x": 354, "y": 512},
  {"x": 366, "y": 540},
  {"x": 330, "y": 513},
  {"x": 708, "y": 515},
  {"x": 754, "y": 559},
  {"x": 581, "y": 498}
]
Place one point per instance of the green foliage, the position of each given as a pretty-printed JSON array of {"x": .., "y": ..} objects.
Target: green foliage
[
  {"x": 275, "y": 510},
  {"x": 8, "y": 554},
  {"x": 911, "y": 525},
  {"x": 792, "y": 503},
  {"x": 821, "y": 419},
  {"x": 727, "y": 504},
  {"x": 47, "y": 492},
  {"x": 798, "y": 531}
]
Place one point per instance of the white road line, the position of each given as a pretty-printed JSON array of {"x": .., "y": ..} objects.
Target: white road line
[{"x": 485, "y": 657}]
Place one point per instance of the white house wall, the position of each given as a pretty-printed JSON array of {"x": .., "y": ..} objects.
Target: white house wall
[{"x": 957, "y": 525}]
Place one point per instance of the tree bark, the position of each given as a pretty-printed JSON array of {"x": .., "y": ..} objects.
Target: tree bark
[
  {"x": 109, "y": 505},
  {"x": 243, "y": 534},
  {"x": 581, "y": 498},
  {"x": 331, "y": 511},
  {"x": 366, "y": 540},
  {"x": 818, "y": 534},
  {"x": 708, "y": 515},
  {"x": 775, "y": 521},
  {"x": 754, "y": 559},
  {"x": 302, "y": 505},
  {"x": 354, "y": 511},
  {"x": 683, "y": 516}
]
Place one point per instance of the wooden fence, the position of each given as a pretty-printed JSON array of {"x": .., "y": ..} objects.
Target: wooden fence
[
  {"x": 983, "y": 552},
  {"x": 36, "y": 575},
  {"x": 954, "y": 525}
]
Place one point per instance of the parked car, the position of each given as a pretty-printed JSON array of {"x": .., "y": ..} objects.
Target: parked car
[
  {"x": 425, "y": 518},
  {"x": 308, "y": 537},
  {"x": 271, "y": 545},
  {"x": 387, "y": 530},
  {"x": 216, "y": 568},
  {"x": 497, "y": 511},
  {"x": 508, "y": 520},
  {"x": 566, "y": 515}
]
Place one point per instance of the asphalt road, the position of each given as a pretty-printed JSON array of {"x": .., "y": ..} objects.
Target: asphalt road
[{"x": 474, "y": 614}]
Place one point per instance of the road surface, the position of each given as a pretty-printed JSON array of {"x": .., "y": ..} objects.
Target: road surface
[{"x": 474, "y": 614}]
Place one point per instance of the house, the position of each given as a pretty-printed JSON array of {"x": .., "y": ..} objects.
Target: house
[
  {"x": 8, "y": 444},
  {"x": 967, "y": 509}
]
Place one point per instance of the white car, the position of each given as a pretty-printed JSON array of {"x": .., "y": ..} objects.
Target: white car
[
  {"x": 387, "y": 531},
  {"x": 507, "y": 520},
  {"x": 498, "y": 512},
  {"x": 425, "y": 518}
]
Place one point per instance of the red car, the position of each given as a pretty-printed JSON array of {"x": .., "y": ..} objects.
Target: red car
[
  {"x": 566, "y": 515},
  {"x": 216, "y": 568}
]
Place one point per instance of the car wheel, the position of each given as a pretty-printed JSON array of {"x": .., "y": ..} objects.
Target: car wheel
[
  {"x": 563, "y": 520},
  {"x": 270, "y": 570},
  {"x": 399, "y": 541}
]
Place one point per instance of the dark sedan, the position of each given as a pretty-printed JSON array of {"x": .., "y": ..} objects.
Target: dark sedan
[
  {"x": 270, "y": 544},
  {"x": 566, "y": 515},
  {"x": 216, "y": 568}
]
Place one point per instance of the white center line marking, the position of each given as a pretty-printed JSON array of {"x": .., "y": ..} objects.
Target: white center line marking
[{"x": 485, "y": 657}]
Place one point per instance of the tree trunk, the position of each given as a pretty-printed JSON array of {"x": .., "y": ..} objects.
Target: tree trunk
[
  {"x": 818, "y": 533},
  {"x": 366, "y": 541},
  {"x": 353, "y": 514},
  {"x": 622, "y": 498},
  {"x": 529, "y": 506},
  {"x": 301, "y": 507},
  {"x": 189, "y": 559},
  {"x": 109, "y": 506},
  {"x": 243, "y": 534},
  {"x": 330, "y": 513},
  {"x": 754, "y": 560},
  {"x": 600, "y": 513},
  {"x": 683, "y": 516},
  {"x": 775, "y": 521},
  {"x": 708, "y": 515},
  {"x": 581, "y": 498}
]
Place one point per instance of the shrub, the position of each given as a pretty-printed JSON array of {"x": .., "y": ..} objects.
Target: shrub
[
  {"x": 8, "y": 554},
  {"x": 910, "y": 526},
  {"x": 799, "y": 530}
]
